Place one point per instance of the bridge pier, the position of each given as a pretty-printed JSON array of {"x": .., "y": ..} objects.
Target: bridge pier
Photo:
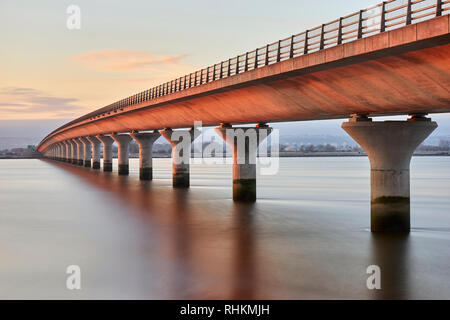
[
  {"x": 244, "y": 144},
  {"x": 95, "y": 143},
  {"x": 86, "y": 151},
  {"x": 73, "y": 152},
  {"x": 79, "y": 151},
  {"x": 180, "y": 141},
  {"x": 57, "y": 152},
  {"x": 107, "y": 142},
  {"x": 62, "y": 152},
  {"x": 390, "y": 146},
  {"x": 123, "y": 141},
  {"x": 145, "y": 142},
  {"x": 67, "y": 147}
]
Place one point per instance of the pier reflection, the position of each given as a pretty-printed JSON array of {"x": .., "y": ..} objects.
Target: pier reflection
[{"x": 208, "y": 252}]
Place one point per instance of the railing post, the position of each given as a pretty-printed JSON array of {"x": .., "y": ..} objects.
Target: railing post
[
  {"x": 221, "y": 70},
  {"x": 246, "y": 62},
  {"x": 383, "y": 17},
  {"x": 322, "y": 37},
  {"x": 237, "y": 65},
  {"x": 360, "y": 24},
  {"x": 339, "y": 37},
  {"x": 291, "y": 50},
  {"x": 305, "y": 49},
  {"x": 409, "y": 13},
  {"x": 256, "y": 59},
  {"x": 267, "y": 55},
  {"x": 229, "y": 68},
  {"x": 201, "y": 76},
  {"x": 207, "y": 74},
  {"x": 439, "y": 8},
  {"x": 214, "y": 72},
  {"x": 279, "y": 51}
]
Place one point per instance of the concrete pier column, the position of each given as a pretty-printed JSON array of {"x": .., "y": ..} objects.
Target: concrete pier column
[
  {"x": 145, "y": 142},
  {"x": 62, "y": 148},
  {"x": 180, "y": 141},
  {"x": 123, "y": 141},
  {"x": 73, "y": 152},
  {"x": 57, "y": 152},
  {"x": 107, "y": 142},
  {"x": 60, "y": 151},
  {"x": 390, "y": 146},
  {"x": 244, "y": 144},
  {"x": 87, "y": 151},
  {"x": 80, "y": 152},
  {"x": 68, "y": 151},
  {"x": 95, "y": 145}
]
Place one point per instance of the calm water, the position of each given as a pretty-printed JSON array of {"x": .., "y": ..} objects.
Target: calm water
[{"x": 307, "y": 236}]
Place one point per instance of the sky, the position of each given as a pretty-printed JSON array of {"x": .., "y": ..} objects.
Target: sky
[{"x": 51, "y": 74}]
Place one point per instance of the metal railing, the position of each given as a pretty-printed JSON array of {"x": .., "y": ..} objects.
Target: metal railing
[{"x": 382, "y": 17}]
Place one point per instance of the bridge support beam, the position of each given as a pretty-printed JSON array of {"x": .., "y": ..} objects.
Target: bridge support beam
[
  {"x": 79, "y": 151},
  {"x": 123, "y": 141},
  {"x": 180, "y": 141},
  {"x": 57, "y": 153},
  {"x": 145, "y": 142},
  {"x": 244, "y": 144},
  {"x": 73, "y": 152},
  {"x": 87, "y": 151},
  {"x": 95, "y": 145},
  {"x": 390, "y": 146},
  {"x": 68, "y": 149},
  {"x": 107, "y": 142},
  {"x": 62, "y": 150}
]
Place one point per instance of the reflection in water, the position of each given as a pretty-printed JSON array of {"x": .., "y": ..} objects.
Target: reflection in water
[
  {"x": 245, "y": 279},
  {"x": 391, "y": 254},
  {"x": 171, "y": 207},
  {"x": 306, "y": 237}
]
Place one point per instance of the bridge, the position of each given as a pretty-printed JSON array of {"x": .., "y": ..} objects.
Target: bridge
[{"x": 390, "y": 59}]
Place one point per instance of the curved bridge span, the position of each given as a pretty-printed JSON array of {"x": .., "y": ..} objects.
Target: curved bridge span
[
  {"x": 402, "y": 71},
  {"x": 391, "y": 59}
]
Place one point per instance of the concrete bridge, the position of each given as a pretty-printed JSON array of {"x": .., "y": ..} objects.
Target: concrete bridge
[{"x": 390, "y": 59}]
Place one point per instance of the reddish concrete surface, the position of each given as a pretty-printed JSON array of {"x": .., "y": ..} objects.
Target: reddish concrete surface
[{"x": 402, "y": 71}]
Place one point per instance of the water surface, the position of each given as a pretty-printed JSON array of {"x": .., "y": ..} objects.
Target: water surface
[{"x": 306, "y": 237}]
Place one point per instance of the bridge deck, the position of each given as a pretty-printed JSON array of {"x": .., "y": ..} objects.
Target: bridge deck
[{"x": 406, "y": 70}]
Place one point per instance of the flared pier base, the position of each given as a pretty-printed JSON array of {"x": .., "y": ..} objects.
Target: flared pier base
[
  {"x": 123, "y": 141},
  {"x": 95, "y": 151},
  {"x": 390, "y": 146},
  {"x": 180, "y": 141},
  {"x": 145, "y": 142},
  {"x": 244, "y": 143},
  {"x": 107, "y": 142}
]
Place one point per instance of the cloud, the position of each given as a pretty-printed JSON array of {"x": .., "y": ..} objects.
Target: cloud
[
  {"x": 126, "y": 60},
  {"x": 26, "y": 102}
]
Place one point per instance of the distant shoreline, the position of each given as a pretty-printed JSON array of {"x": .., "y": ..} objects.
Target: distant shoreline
[{"x": 291, "y": 154}]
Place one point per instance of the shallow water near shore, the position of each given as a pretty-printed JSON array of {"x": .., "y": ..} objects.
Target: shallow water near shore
[{"x": 307, "y": 236}]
